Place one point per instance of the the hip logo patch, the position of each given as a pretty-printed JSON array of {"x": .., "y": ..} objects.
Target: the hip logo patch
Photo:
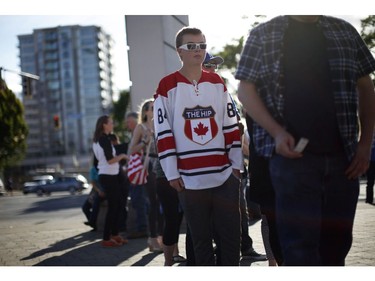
[{"x": 200, "y": 124}]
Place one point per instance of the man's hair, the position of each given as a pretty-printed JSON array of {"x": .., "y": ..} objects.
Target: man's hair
[
  {"x": 186, "y": 30},
  {"x": 132, "y": 114}
]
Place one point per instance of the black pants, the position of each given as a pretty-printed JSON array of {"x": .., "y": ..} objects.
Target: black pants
[
  {"x": 124, "y": 188},
  {"x": 171, "y": 209},
  {"x": 155, "y": 218},
  {"x": 111, "y": 185}
]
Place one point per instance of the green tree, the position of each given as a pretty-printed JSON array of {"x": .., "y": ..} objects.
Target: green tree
[
  {"x": 231, "y": 54},
  {"x": 13, "y": 129},
  {"x": 368, "y": 31},
  {"x": 368, "y": 34},
  {"x": 119, "y": 110}
]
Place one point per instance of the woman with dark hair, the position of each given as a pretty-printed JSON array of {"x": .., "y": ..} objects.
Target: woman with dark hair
[{"x": 107, "y": 163}]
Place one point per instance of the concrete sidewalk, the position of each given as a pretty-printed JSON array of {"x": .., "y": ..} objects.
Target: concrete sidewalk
[{"x": 72, "y": 244}]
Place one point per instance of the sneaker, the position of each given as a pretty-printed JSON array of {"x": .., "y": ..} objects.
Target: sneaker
[
  {"x": 119, "y": 239},
  {"x": 110, "y": 244},
  {"x": 252, "y": 254}
]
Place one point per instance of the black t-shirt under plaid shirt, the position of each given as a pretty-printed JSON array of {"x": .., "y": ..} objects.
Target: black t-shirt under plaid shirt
[{"x": 309, "y": 110}]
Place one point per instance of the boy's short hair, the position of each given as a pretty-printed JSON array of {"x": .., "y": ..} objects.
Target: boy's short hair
[{"x": 186, "y": 30}]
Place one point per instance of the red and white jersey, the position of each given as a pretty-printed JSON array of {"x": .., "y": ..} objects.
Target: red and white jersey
[{"x": 196, "y": 130}]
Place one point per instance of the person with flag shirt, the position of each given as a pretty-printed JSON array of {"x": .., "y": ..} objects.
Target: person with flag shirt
[
  {"x": 143, "y": 195},
  {"x": 199, "y": 147}
]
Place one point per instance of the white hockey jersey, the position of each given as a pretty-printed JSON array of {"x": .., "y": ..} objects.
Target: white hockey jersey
[{"x": 197, "y": 131}]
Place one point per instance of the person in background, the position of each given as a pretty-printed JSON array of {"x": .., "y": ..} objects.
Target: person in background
[
  {"x": 130, "y": 121},
  {"x": 199, "y": 148},
  {"x": 307, "y": 78},
  {"x": 107, "y": 163},
  {"x": 9, "y": 186},
  {"x": 371, "y": 176},
  {"x": 261, "y": 191},
  {"x": 137, "y": 195},
  {"x": 173, "y": 216},
  {"x": 121, "y": 148},
  {"x": 142, "y": 137},
  {"x": 211, "y": 62},
  {"x": 91, "y": 206}
]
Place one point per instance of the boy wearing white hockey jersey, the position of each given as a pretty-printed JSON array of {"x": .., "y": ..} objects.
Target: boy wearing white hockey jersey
[{"x": 199, "y": 148}]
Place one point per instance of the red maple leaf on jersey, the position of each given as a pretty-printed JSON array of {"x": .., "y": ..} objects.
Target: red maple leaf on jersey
[{"x": 201, "y": 130}]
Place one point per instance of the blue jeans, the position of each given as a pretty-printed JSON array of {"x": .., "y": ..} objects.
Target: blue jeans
[
  {"x": 315, "y": 208},
  {"x": 139, "y": 204}
]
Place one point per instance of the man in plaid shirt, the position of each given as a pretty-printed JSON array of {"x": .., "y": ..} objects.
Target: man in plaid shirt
[{"x": 308, "y": 77}]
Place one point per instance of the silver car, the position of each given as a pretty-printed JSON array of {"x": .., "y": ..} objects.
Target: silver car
[{"x": 71, "y": 183}]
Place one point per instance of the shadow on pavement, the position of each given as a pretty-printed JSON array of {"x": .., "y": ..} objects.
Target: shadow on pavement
[
  {"x": 87, "y": 251},
  {"x": 92, "y": 255},
  {"x": 57, "y": 203},
  {"x": 63, "y": 245}
]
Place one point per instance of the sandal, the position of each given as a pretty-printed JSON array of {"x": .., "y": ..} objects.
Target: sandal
[{"x": 178, "y": 259}]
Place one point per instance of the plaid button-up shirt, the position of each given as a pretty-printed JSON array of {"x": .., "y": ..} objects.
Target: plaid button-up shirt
[{"x": 349, "y": 58}]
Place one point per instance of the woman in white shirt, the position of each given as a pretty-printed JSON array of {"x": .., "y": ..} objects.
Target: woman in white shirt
[{"x": 107, "y": 163}]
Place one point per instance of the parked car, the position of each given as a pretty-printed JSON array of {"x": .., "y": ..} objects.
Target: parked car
[
  {"x": 2, "y": 188},
  {"x": 72, "y": 183},
  {"x": 35, "y": 182}
]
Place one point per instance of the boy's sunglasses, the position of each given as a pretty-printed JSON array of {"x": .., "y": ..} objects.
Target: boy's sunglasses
[{"x": 193, "y": 46}]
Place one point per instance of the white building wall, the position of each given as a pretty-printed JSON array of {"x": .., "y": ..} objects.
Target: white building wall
[{"x": 152, "y": 54}]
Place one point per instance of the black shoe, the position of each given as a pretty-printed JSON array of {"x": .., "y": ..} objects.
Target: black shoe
[
  {"x": 178, "y": 259},
  {"x": 252, "y": 254},
  {"x": 369, "y": 201},
  {"x": 90, "y": 224}
]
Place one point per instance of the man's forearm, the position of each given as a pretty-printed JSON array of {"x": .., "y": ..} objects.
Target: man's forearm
[{"x": 256, "y": 109}]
